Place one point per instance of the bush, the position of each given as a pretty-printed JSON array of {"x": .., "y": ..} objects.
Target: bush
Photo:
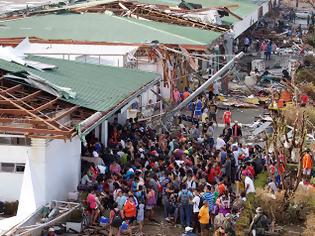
[
  {"x": 248, "y": 213},
  {"x": 305, "y": 75},
  {"x": 308, "y": 89},
  {"x": 309, "y": 60},
  {"x": 310, "y": 225},
  {"x": 311, "y": 39},
  {"x": 290, "y": 115}
]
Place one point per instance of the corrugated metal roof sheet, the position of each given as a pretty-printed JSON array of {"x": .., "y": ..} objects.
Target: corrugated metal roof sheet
[
  {"x": 244, "y": 8},
  {"x": 97, "y": 87},
  {"x": 104, "y": 28}
]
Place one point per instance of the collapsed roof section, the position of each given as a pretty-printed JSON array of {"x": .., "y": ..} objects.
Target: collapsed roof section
[
  {"x": 207, "y": 19},
  {"x": 32, "y": 104},
  {"x": 37, "y": 114}
]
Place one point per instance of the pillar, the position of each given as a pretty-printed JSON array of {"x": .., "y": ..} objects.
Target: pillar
[{"x": 104, "y": 127}]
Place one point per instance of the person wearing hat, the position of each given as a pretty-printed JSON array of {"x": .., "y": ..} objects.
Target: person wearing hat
[
  {"x": 204, "y": 218},
  {"x": 229, "y": 227},
  {"x": 189, "y": 232},
  {"x": 236, "y": 132},
  {"x": 51, "y": 232},
  {"x": 260, "y": 223}
]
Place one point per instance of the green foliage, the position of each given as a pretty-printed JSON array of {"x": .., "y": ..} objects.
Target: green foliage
[
  {"x": 305, "y": 75},
  {"x": 261, "y": 180},
  {"x": 250, "y": 206},
  {"x": 311, "y": 39}
]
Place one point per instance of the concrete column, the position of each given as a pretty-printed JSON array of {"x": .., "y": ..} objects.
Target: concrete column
[
  {"x": 104, "y": 127},
  {"x": 97, "y": 132}
]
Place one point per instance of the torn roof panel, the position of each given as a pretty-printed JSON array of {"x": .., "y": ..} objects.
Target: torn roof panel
[
  {"x": 241, "y": 8},
  {"x": 104, "y": 28},
  {"x": 96, "y": 86}
]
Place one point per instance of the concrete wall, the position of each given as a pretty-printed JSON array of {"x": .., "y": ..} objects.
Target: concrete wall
[
  {"x": 10, "y": 183},
  {"x": 243, "y": 25},
  {"x": 62, "y": 168},
  {"x": 52, "y": 170}
]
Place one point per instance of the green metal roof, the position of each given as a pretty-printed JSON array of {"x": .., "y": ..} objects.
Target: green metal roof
[
  {"x": 104, "y": 28},
  {"x": 97, "y": 87}
]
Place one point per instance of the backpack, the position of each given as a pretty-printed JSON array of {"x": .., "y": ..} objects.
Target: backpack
[
  {"x": 201, "y": 202},
  {"x": 184, "y": 198},
  {"x": 117, "y": 220}
]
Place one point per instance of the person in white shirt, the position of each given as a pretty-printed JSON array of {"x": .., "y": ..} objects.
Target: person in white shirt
[
  {"x": 249, "y": 185},
  {"x": 220, "y": 143},
  {"x": 245, "y": 151},
  {"x": 196, "y": 203}
]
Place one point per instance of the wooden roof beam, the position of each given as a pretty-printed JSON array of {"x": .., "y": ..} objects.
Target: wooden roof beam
[
  {"x": 19, "y": 120},
  {"x": 30, "y": 96},
  {"x": 46, "y": 105},
  {"x": 24, "y": 131},
  {"x": 29, "y": 112},
  {"x": 12, "y": 89},
  {"x": 13, "y": 111},
  {"x": 62, "y": 115}
]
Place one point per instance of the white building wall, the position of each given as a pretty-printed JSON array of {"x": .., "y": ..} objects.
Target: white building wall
[
  {"x": 52, "y": 170},
  {"x": 265, "y": 8},
  {"x": 62, "y": 168},
  {"x": 10, "y": 183},
  {"x": 243, "y": 25}
]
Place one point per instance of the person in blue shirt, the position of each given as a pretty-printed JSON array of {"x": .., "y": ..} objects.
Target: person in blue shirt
[{"x": 185, "y": 197}]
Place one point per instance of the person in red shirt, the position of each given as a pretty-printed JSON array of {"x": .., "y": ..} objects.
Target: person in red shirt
[
  {"x": 221, "y": 187},
  {"x": 304, "y": 100},
  {"x": 130, "y": 209},
  {"x": 211, "y": 174},
  {"x": 186, "y": 94},
  {"x": 217, "y": 169},
  {"x": 227, "y": 115},
  {"x": 250, "y": 169}
]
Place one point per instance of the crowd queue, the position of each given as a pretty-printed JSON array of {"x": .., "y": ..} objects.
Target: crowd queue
[{"x": 199, "y": 178}]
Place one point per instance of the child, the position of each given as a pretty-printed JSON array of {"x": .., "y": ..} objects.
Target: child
[{"x": 140, "y": 216}]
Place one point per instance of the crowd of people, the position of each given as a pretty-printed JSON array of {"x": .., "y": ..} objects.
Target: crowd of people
[{"x": 199, "y": 178}]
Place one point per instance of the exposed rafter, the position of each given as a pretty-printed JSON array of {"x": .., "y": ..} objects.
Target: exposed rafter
[{"x": 31, "y": 114}]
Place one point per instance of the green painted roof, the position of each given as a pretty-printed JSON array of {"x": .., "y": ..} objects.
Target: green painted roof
[
  {"x": 97, "y": 87},
  {"x": 245, "y": 8},
  {"x": 104, "y": 28}
]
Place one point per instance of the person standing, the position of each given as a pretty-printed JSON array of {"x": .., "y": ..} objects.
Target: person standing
[
  {"x": 140, "y": 216},
  {"x": 116, "y": 217},
  {"x": 307, "y": 164},
  {"x": 246, "y": 44},
  {"x": 213, "y": 112},
  {"x": 196, "y": 204},
  {"x": 210, "y": 135},
  {"x": 236, "y": 132},
  {"x": 204, "y": 218},
  {"x": 184, "y": 197},
  {"x": 186, "y": 94},
  {"x": 249, "y": 185},
  {"x": 268, "y": 50},
  {"x": 130, "y": 210},
  {"x": 259, "y": 224},
  {"x": 198, "y": 108},
  {"x": 227, "y": 115}
]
